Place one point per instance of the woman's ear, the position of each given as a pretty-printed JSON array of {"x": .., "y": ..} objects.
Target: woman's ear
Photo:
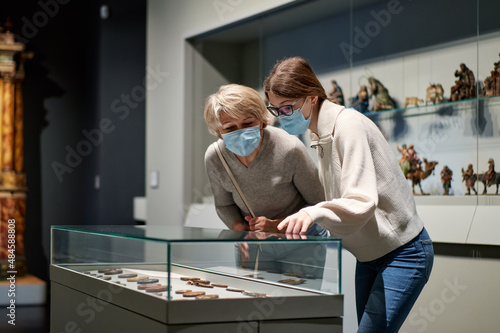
[{"x": 314, "y": 99}]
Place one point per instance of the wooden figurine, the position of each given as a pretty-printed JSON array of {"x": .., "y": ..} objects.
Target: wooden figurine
[
  {"x": 490, "y": 177},
  {"x": 469, "y": 177},
  {"x": 418, "y": 175},
  {"x": 383, "y": 101},
  {"x": 446, "y": 178},
  {"x": 492, "y": 85},
  {"x": 412, "y": 101},
  {"x": 434, "y": 94},
  {"x": 409, "y": 162},
  {"x": 412, "y": 167},
  {"x": 336, "y": 94},
  {"x": 361, "y": 100},
  {"x": 492, "y": 82},
  {"x": 465, "y": 86}
]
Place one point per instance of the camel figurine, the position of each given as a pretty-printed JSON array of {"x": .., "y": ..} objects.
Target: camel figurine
[
  {"x": 490, "y": 177},
  {"x": 418, "y": 175}
]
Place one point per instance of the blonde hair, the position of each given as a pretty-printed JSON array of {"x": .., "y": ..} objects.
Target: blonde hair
[{"x": 236, "y": 101}]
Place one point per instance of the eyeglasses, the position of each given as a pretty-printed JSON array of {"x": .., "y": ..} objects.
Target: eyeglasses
[{"x": 285, "y": 110}]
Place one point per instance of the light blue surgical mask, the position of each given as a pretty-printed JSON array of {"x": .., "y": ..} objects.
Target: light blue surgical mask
[
  {"x": 295, "y": 123},
  {"x": 244, "y": 141}
]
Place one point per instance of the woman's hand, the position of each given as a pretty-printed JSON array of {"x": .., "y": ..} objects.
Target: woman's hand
[
  {"x": 263, "y": 224},
  {"x": 239, "y": 226},
  {"x": 297, "y": 223}
]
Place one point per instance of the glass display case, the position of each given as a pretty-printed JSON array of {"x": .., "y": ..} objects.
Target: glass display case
[{"x": 107, "y": 278}]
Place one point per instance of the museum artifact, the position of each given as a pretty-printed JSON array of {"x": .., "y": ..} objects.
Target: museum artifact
[
  {"x": 418, "y": 175},
  {"x": 404, "y": 152},
  {"x": 336, "y": 94},
  {"x": 412, "y": 101},
  {"x": 491, "y": 85},
  {"x": 465, "y": 86},
  {"x": 492, "y": 82},
  {"x": 383, "y": 101},
  {"x": 434, "y": 94},
  {"x": 360, "y": 102},
  {"x": 409, "y": 161},
  {"x": 446, "y": 178},
  {"x": 469, "y": 177},
  {"x": 490, "y": 177},
  {"x": 411, "y": 166},
  {"x": 12, "y": 177}
]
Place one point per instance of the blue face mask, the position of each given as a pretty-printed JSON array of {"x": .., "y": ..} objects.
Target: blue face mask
[
  {"x": 295, "y": 123},
  {"x": 244, "y": 141}
]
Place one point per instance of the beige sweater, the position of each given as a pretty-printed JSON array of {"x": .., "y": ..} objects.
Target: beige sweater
[{"x": 369, "y": 202}]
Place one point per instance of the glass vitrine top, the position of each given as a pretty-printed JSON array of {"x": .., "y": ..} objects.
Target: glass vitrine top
[
  {"x": 175, "y": 234},
  {"x": 167, "y": 253}
]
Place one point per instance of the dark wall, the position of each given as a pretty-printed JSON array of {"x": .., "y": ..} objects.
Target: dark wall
[
  {"x": 122, "y": 62},
  {"x": 432, "y": 23},
  {"x": 81, "y": 65}
]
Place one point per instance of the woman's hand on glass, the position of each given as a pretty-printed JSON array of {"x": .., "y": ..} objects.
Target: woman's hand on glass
[
  {"x": 297, "y": 223},
  {"x": 263, "y": 224}
]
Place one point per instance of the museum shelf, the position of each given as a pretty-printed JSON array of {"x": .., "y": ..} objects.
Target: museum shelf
[
  {"x": 122, "y": 267},
  {"x": 455, "y": 134}
]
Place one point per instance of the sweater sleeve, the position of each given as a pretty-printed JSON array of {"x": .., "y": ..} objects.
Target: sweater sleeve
[
  {"x": 225, "y": 206},
  {"x": 358, "y": 182}
]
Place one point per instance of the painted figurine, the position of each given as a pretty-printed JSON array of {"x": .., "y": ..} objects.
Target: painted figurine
[
  {"x": 434, "y": 94},
  {"x": 403, "y": 151},
  {"x": 409, "y": 162},
  {"x": 361, "y": 100},
  {"x": 381, "y": 95},
  {"x": 469, "y": 178},
  {"x": 491, "y": 173},
  {"x": 490, "y": 177},
  {"x": 412, "y": 101},
  {"x": 465, "y": 86},
  {"x": 446, "y": 178},
  {"x": 411, "y": 166},
  {"x": 490, "y": 85},
  {"x": 336, "y": 94},
  {"x": 418, "y": 175},
  {"x": 492, "y": 82}
]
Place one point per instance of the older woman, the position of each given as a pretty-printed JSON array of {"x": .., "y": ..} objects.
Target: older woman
[{"x": 273, "y": 169}]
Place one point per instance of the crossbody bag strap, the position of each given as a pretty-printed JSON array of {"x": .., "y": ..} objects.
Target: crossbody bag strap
[{"x": 235, "y": 183}]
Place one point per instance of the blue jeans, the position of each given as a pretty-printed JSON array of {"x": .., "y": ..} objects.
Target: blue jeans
[{"x": 387, "y": 287}]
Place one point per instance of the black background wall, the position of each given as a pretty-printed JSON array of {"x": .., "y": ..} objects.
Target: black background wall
[{"x": 84, "y": 114}]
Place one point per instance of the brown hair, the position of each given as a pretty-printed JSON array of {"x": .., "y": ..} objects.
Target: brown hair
[
  {"x": 237, "y": 101},
  {"x": 294, "y": 78}
]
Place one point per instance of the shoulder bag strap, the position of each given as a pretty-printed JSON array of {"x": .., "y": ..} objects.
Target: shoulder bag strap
[{"x": 224, "y": 163}]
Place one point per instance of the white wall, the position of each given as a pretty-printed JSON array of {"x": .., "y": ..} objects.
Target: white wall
[{"x": 168, "y": 147}]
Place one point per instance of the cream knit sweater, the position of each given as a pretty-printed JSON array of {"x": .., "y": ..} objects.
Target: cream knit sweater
[{"x": 369, "y": 202}]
